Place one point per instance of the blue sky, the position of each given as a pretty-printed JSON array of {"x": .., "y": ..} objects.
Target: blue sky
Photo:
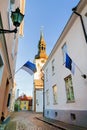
[{"x": 52, "y": 15}]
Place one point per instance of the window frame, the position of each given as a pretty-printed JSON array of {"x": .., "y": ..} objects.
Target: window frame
[
  {"x": 69, "y": 89},
  {"x": 64, "y": 51},
  {"x": 1, "y": 67},
  {"x": 55, "y": 94},
  {"x": 46, "y": 75},
  {"x": 53, "y": 66},
  {"x": 47, "y": 97}
]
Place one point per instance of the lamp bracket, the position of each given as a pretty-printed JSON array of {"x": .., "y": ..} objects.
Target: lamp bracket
[{"x": 8, "y": 31}]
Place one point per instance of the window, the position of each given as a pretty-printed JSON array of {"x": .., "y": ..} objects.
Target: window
[
  {"x": 54, "y": 94},
  {"x": 64, "y": 51},
  {"x": 56, "y": 114},
  {"x": 30, "y": 102},
  {"x": 47, "y": 112},
  {"x": 69, "y": 89},
  {"x": 9, "y": 98},
  {"x": 25, "y": 102},
  {"x": 37, "y": 102},
  {"x": 12, "y": 1},
  {"x": 46, "y": 74},
  {"x": 1, "y": 68},
  {"x": 86, "y": 14},
  {"x": 24, "y": 107},
  {"x": 53, "y": 68},
  {"x": 73, "y": 116},
  {"x": 47, "y": 97}
]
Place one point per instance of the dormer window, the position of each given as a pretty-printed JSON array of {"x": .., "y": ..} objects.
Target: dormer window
[
  {"x": 53, "y": 67},
  {"x": 64, "y": 51},
  {"x": 86, "y": 14}
]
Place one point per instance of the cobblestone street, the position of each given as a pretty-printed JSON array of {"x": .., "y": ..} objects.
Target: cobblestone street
[{"x": 27, "y": 121}]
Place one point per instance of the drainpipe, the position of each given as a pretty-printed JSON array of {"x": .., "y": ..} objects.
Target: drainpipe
[
  {"x": 7, "y": 57},
  {"x": 43, "y": 98},
  {"x": 43, "y": 92},
  {"x": 82, "y": 23}
]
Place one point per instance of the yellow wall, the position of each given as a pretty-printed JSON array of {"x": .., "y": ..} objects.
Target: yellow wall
[{"x": 24, "y": 104}]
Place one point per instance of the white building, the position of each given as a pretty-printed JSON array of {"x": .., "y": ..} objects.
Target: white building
[
  {"x": 65, "y": 92},
  {"x": 40, "y": 60}
]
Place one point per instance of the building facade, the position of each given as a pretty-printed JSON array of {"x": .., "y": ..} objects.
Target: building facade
[
  {"x": 25, "y": 102},
  {"x": 40, "y": 60},
  {"x": 65, "y": 86},
  {"x": 8, "y": 54},
  {"x": 13, "y": 97}
]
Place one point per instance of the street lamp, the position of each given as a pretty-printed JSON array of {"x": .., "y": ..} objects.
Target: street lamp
[
  {"x": 74, "y": 11},
  {"x": 17, "y": 18}
]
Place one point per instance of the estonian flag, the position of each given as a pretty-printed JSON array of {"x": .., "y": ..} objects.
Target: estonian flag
[
  {"x": 29, "y": 67},
  {"x": 70, "y": 64}
]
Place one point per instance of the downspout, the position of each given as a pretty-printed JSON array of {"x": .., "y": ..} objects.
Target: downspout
[
  {"x": 82, "y": 23},
  {"x": 43, "y": 93},
  {"x": 7, "y": 57}
]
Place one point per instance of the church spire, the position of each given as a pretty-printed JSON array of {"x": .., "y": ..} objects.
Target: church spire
[
  {"x": 41, "y": 33},
  {"x": 41, "y": 47}
]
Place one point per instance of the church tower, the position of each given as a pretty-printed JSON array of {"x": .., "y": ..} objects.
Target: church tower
[
  {"x": 41, "y": 48},
  {"x": 39, "y": 60}
]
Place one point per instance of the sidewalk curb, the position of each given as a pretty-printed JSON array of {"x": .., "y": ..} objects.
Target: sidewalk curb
[
  {"x": 4, "y": 123},
  {"x": 50, "y": 123},
  {"x": 61, "y": 126},
  {"x": 2, "y": 126}
]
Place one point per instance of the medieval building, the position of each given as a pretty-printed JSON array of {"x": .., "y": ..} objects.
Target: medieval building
[
  {"x": 65, "y": 82},
  {"x": 40, "y": 60},
  {"x": 8, "y": 54}
]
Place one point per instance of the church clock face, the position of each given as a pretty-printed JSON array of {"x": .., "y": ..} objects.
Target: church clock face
[{"x": 42, "y": 61}]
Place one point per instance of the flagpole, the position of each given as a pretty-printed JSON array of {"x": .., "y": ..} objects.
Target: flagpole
[
  {"x": 18, "y": 69},
  {"x": 79, "y": 69},
  {"x": 15, "y": 72},
  {"x": 82, "y": 74}
]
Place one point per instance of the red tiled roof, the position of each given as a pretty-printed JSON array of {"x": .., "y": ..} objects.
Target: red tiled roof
[{"x": 24, "y": 98}]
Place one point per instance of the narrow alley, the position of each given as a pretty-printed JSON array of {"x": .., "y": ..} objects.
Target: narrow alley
[
  {"x": 26, "y": 120},
  {"x": 43, "y": 65}
]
